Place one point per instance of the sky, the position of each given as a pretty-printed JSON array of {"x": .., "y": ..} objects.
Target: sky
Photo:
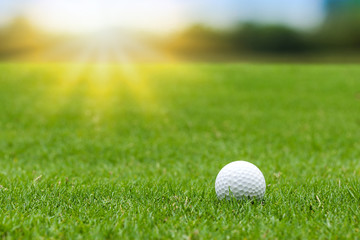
[{"x": 159, "y": 15}]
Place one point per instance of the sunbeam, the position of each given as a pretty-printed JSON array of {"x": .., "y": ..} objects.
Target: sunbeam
[{"x": 103, "y": 63}]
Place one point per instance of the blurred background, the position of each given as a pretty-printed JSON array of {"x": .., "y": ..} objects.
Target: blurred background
[{"x": 180, "y": 30}]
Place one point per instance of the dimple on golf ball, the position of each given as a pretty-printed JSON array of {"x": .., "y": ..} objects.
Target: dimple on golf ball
[{"x": 241, "y": 180}]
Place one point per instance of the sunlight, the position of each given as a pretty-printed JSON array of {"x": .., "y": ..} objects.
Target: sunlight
[
  {"x": 84, "y": 16},
  {"x": 103, "y": 56},
  {"x": 104, "y": 83},
  {"x": 105, "y": 60}
]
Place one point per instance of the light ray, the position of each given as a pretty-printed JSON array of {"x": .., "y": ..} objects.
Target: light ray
[{"x": 106, "y": 61}]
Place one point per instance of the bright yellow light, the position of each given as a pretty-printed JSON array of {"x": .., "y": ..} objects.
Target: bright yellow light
[
  {"x": 86, "y": 16},
  {"x": 102, "y": 87}
]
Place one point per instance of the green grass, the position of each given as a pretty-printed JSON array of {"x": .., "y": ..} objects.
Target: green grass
[{"x": 114, "y": 156}]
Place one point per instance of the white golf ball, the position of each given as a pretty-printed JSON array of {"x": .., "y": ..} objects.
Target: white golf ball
[{"x": 241, "y": 180}]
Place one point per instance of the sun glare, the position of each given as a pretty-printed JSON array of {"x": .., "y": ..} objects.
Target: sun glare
[
  {"x": 84, "y": 16},
  {"x": 104, "y": 54}
]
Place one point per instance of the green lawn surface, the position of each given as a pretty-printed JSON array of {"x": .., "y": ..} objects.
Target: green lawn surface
[{"x": 132, "y": 152}]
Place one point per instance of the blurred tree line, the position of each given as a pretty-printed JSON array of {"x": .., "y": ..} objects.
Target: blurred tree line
[
  {"x": 340, "y": 32},
  {"x": 19, "y": 38},
  {"x": 245, "y": 38}
]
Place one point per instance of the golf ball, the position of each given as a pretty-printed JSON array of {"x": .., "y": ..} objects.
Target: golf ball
[{"x": 241, "y": 180}]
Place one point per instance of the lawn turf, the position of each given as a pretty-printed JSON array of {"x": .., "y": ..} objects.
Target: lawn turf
[{"x": 107, "y": 151}]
